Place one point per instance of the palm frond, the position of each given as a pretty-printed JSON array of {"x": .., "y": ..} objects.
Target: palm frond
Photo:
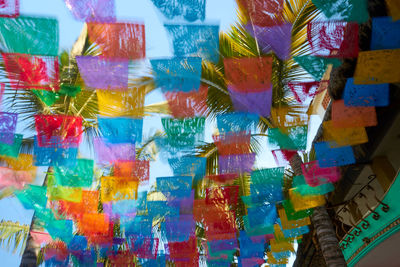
[{"x": 13, "y": 235}]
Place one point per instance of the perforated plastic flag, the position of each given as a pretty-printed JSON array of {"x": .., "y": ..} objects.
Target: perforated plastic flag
[
  {"x": 32, "y": 72},
  {"x": 333, "y": 38},
  {"x": 41, "y": 237},
  {"x": 237, "y": 122},
  {"x": 291, "y": 224},
  {"x": 30, "y": 35},
  {"x": 92, "y": 223},
  {"x": 139, "y": 169},
  {"x": 348, "y": 10},
  {"x": 188, "y": 130},
  {"x": 275, "y": 38},
  {"x": 284, "y": 117},
  {"x": 385, "y": 33},
  {"x": 189, "y": 165},
  {"x": 65, "y": 193},
  {"x": 179, "y": 229},
  {"x": 58, "y": 130},
  {"x": 304, "y": 91},
  {"x": 32, "y": 197},
  {"x": 176, "y": 186},
  {"x": 92, "y": 10},
  {"x": 188, "y": 104},
  {"x": 121, "y": 130},
  {"x": 79, "y": 176},
  {"x": 249, "y": 247},
  {"x": 223, "y": 178},
  {"x": 300, "y": 186},
  {"x": 47, "y": 97},
  {"x": 144, "y": 247},
  {"x": 240, "y": 163},
  {"x": 346, "y": 116},
  {"x": 161, "y": 209},
  {"x": 379, "y": 66},
  {"x": 232, "y": 143},
  {"x": 223, "y": 196},
  {"x": 12, "y": 178},
  {"x": 89, "y": 204},
  {"x": 300, "y": 202},
  {"x": 9, "y": 8},
  {"x": 12, "y": 150},
  {"x": 108, "y": 152},
  {"x": 183, "y": 250},
  {"x": 283, "y": 157},
  {"x": 118, "y": 40},
  {"x": 295, "y": 215},
  {"x": 331, "y": 157},
  {"x": 316, "y": 175},
  {"x": 190, "y": 10},
  {"x": 249, "y": 74},
  {"x": 316, "y": 66},
  {"x": 263, "y": 12},
  {"x": 129, "y": 103},
  {"x": 225, "y": 248},
  {"x": 344, "y": 136},
  {"x": 254, "y": 102},
  {"x": 8, "y": 126},
  {"x": 364, "y": 95},
  {"x": 60, "y": 229},
  {"x": 102, "y": 73},
  {"x": 118, "y": 188},
  {"x": 263, "y": 215},
  {"x": 140, "y": 225},
  {"x": 393, "y": 9},
  {"x": 294, "y": 139},
  {"x": 54, "y": 156},
  {"x": 178, "y": 74},
  {"x": 195, "y": 40},
  {"x": 266, "y": 183}
]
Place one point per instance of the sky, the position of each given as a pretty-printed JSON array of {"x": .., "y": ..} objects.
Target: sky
[{"x": 157, "y": 45}]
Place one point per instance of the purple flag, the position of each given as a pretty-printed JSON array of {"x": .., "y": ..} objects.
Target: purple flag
[{"x": 253, "y": 102}]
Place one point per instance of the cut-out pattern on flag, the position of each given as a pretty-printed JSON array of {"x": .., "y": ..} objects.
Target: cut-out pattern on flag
[
  {"x": 304, "y": 91},
  {"x": 366, "y": 94},
  {"x": 262, "y": 216},
  {"x": 232, "y": 143},
  {"x": 108, "y": 152},
  {"x": 92, "y": 223},
  {"x": 189, "y": 165},
  {"x": 275, "y": 38},
  {"x": 333, "y": 38},
  {"x": 266, "y": 185},
  {"x": 58, "y": 130},
  {"x": 32, "y": 72},
  {"x": 30, "y": 35},
  {"x": 8, "y": 126},
  {"x": 264, "y": 13},
  {"x": 253, "y": 102},
  {"x": 54, "y": 156},
  {"x": 393, "y": 9},
  {"x": 299, "y": 185},
  {"x": 119, "y": 40},
  {"x": 249, "y": 74},
  {"x": 64, "y": 193},
  {"x": 13, "y": 178},
  {"x": 195, "y": 40},
  {"x": 184, "y": 131},
  {"x": 188, "y": 104},
  {"x": 348, "y": 10},
  {"x": 175, "y": 186},
  {"x": 237, "y": 122},
  {"x": 344, "y": 136},
  {"x": 385, "y": 33},
  {"x": 118, "y": 188},
  {"x": 47, "y": 97},
  {"x": 284, "y": 117},
  {"x": 291, "y": 224},
  {"x": 347, "y": 117},
  {"x": 315, "y": 175},
  {"x": 283, "y": 157},
  {"x": 33, "y": 197},
  {"x": 89, "y": 204},
  {"x": 136, "y": 169},
  {"x": 223, "y": 178},
  {"x": 301, "y": 203},
  {"x": 128, "y": 103},
  {"x": 295, "y": 215},
  {"x": 236, "y": 163},
  {"x": 121, "y": 130},
  {"x": 294, "y": 139},
  {"x": 331, "y": 157},
  {"x": 179, "y": 74},
  {"x": 79, "y": 176},
  {"x": 144, "y": 247},
  {"x": 92, "y": 10},
  {"x": 101, "y": 73},
  {"x": 9, "y": 8},
  {"x": 316, "y": 66},
  {"x": 379, "y": 66},
  {"x": 190, "y": 10},
  {"x": 12, "y": 150},
  {"x": 221, "y": 196}
]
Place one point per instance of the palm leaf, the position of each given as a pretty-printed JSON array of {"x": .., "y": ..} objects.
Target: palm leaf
[{"x": 13, "y": 235}]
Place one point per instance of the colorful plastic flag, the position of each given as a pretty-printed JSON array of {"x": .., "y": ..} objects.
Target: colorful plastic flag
[{"x": 92, "y": 10}]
